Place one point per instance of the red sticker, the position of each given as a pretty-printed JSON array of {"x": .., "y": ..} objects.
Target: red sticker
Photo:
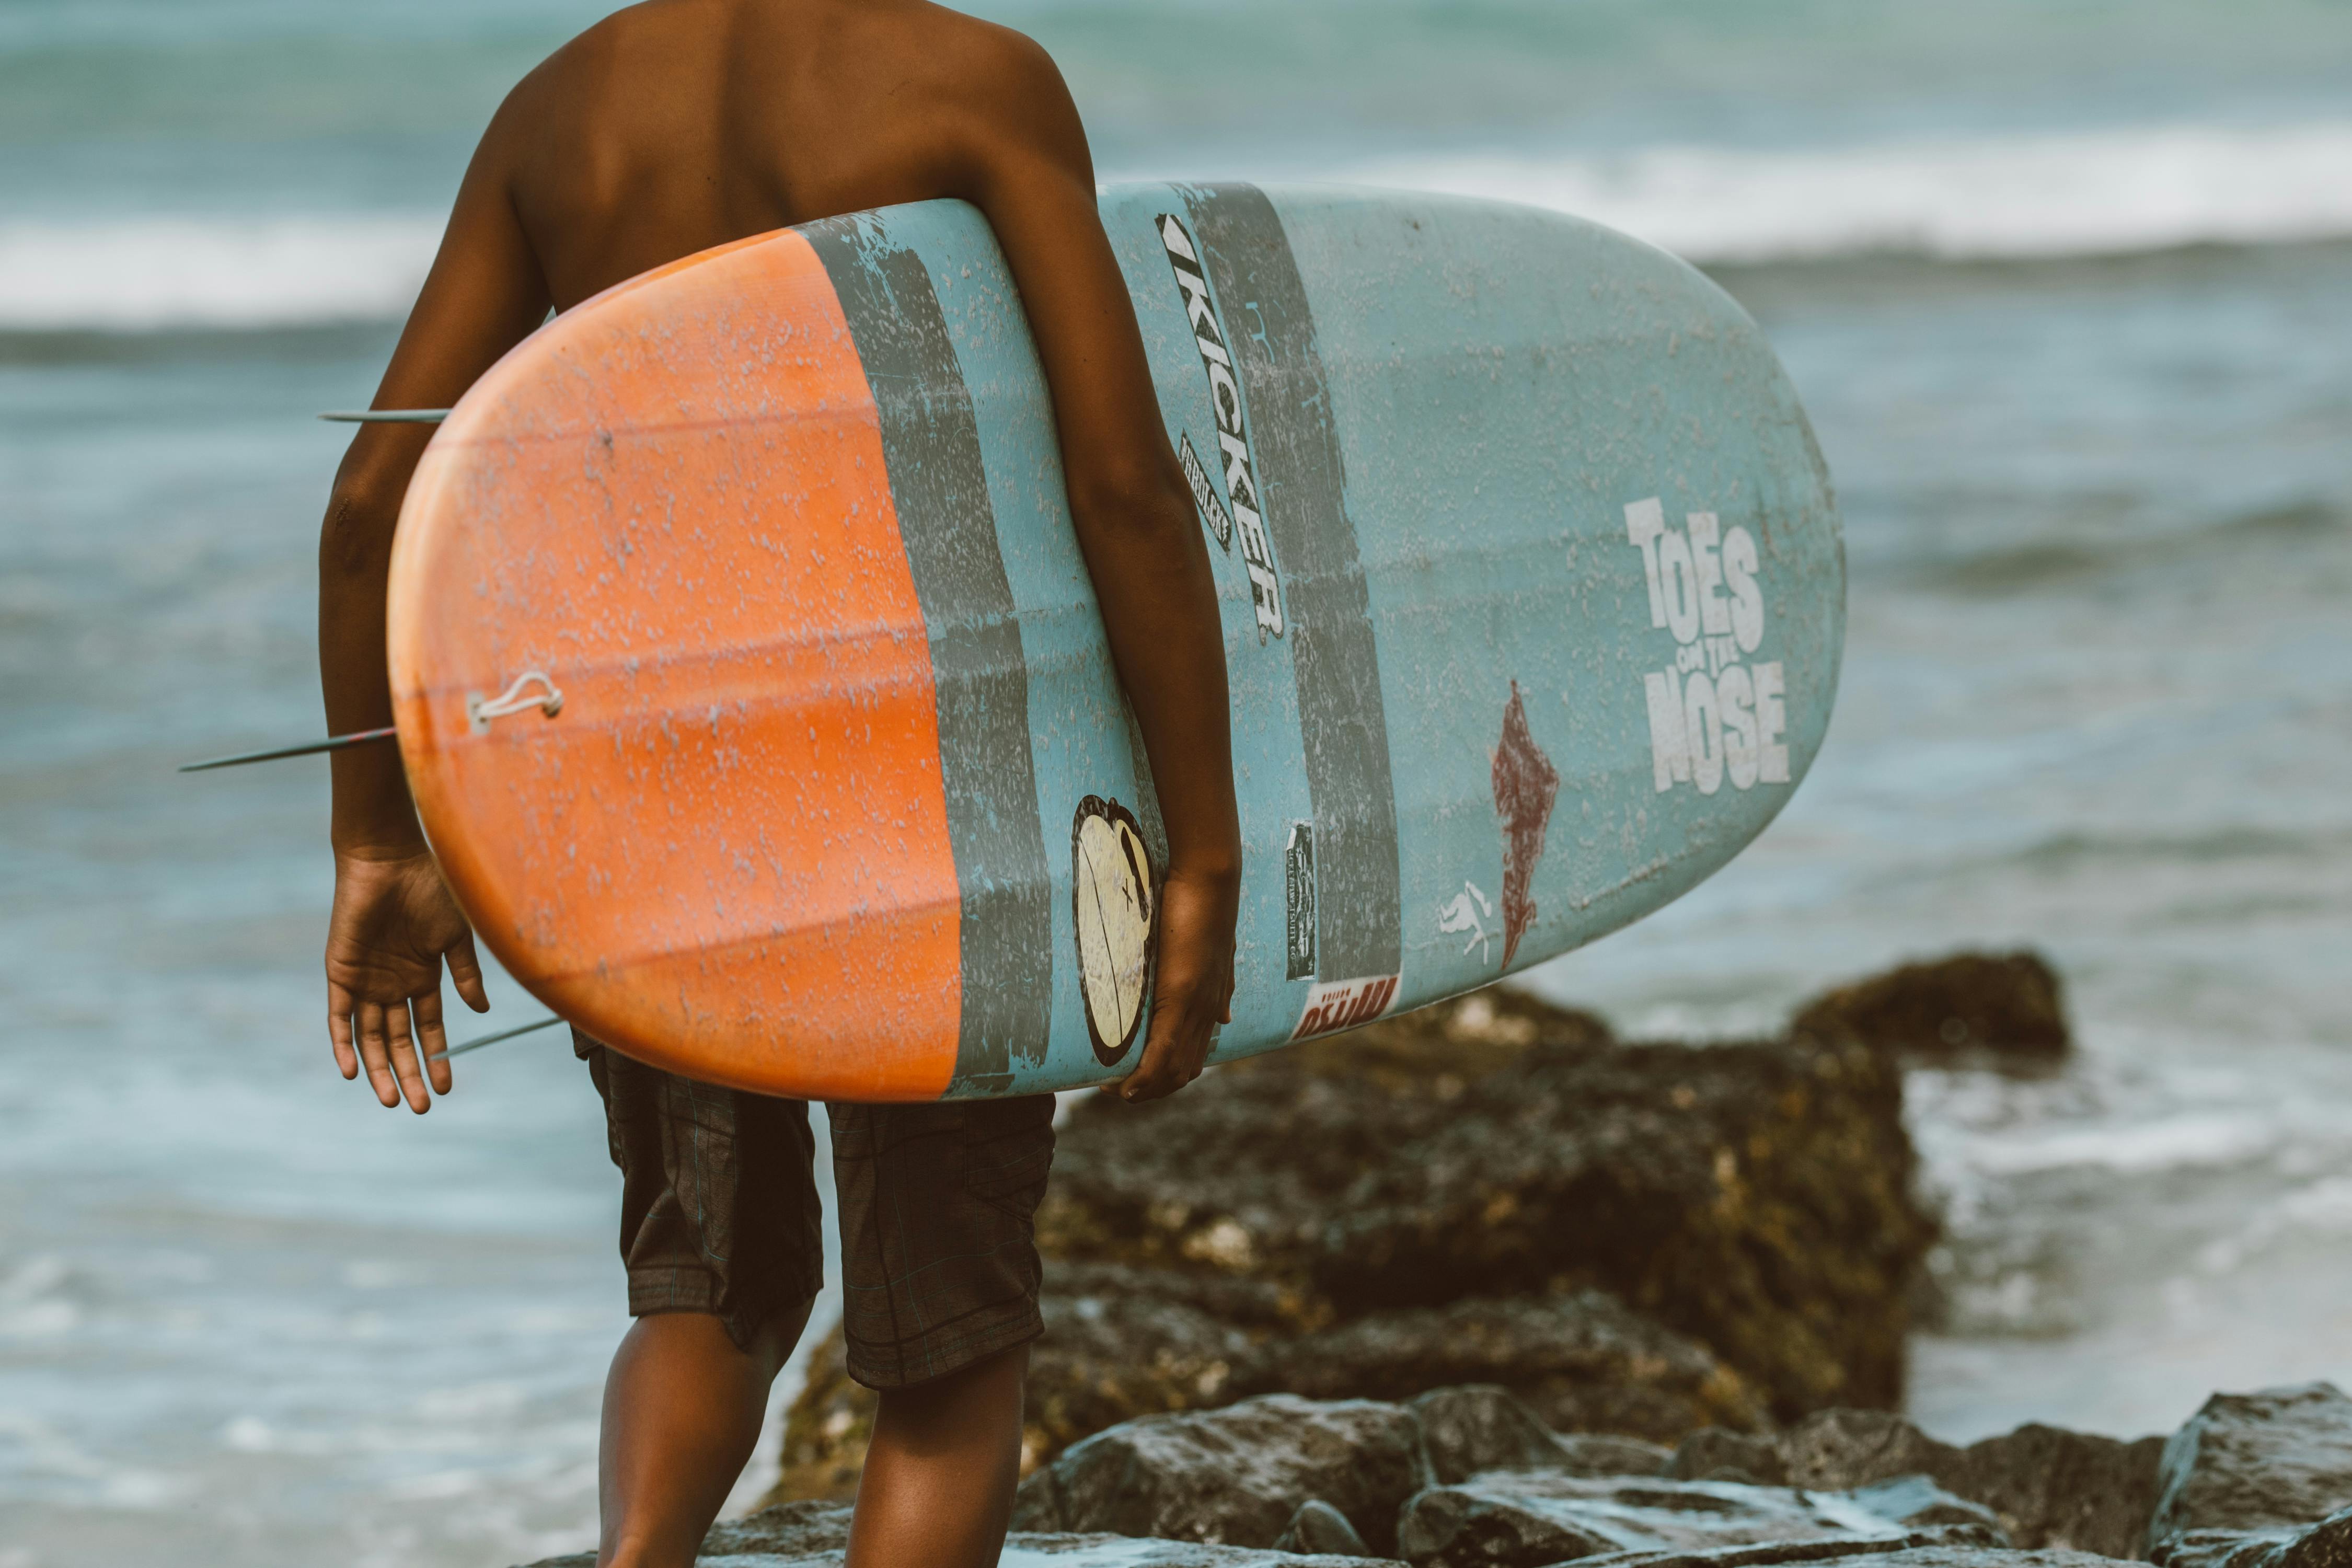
[{"x": 1526, "y": 785}]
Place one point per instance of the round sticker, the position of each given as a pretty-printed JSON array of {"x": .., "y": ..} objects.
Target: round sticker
[{"x": 1111, "y": 892}]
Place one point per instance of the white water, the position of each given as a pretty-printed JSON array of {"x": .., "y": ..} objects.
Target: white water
[
  {"x": 137, "y": 274},
  {"x": 2109, "y": 192},
  {"x": 2112, "y": 191}
]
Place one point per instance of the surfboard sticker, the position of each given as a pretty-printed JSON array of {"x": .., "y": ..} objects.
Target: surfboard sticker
[
  {"x": 1114, "y": 904},
  {"x": 1465, "y": 914},
  {"x": 1213, "y": 515},
  {"x": 1209, "y": 337},
  {"x": 1526, "y": 785},
  {"x": 1713, "y": 716},
  {"x": 1299, "y": 902},
  {"x": 1339, "y": 1005}
]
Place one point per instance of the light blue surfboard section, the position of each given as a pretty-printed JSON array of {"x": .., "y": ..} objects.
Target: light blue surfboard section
[{"x": 1530, "y": 572}]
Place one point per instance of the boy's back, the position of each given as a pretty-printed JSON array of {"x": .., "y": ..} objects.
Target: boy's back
[
  {"x": 677, "y": 125},
  {"x": 666, "y": 129}
]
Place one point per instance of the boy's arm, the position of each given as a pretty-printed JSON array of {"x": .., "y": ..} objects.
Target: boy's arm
[
  {"x": 1029, "y": 170},
  {"x": 393, "y": 918}
]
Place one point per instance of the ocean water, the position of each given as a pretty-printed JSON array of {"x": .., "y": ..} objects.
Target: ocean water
[{"x": 2064, "y": 287}]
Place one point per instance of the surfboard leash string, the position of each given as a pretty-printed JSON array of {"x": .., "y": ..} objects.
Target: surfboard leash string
[
  {"x": 517, "y": 696},
  {"x": 475, "y": 1045},
  {"x": 479, "y": 711}
]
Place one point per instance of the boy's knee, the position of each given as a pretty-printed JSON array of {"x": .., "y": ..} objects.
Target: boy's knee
[
  {"x": 984, "y": 1391},
  {"x": 772, "y": 1346}
]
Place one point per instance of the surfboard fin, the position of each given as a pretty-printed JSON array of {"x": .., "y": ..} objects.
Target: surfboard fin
[
  {"x": 463, "y": 1047},
  {"x": 331, "y": 744},
  {"x": 385, "y": 416}
]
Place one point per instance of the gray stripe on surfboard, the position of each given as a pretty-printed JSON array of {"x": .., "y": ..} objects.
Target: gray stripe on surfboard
[
  {"x": 930, "y": 445},
  {"x": 1341, "y": 719}
]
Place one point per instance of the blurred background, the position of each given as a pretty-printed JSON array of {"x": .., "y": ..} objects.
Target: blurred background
[{"x": 2065, "y": 287}]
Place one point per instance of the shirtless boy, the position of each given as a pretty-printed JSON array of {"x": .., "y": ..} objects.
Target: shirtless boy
[{"x": 668, "y": 128}]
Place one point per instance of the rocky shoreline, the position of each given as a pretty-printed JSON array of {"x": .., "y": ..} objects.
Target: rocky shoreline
[
  {"x": 1467, "y": 1478},
  {"x": 1486, "y": 1286}
]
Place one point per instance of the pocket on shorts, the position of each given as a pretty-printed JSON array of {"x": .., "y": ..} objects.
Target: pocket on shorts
[{"x": 1006, "y": 1148}]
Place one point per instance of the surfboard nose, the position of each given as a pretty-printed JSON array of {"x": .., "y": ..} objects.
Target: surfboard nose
[{"x": 736, "y": 808}]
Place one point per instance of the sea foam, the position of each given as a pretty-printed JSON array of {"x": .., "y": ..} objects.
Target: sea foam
[
  {"x": 2104, "y": 193},
  {"x": 139, "y": 274},
  {"x": 2110, "y": 192}
]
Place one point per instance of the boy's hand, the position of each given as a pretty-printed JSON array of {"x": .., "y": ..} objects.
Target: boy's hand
[
  {"x": 1193, "y": 992},
  {"x": 394, "y": 921}
]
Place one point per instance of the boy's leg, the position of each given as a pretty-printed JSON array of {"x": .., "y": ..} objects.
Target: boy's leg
[
  {"x": 938, "y": 1487},
  {"x": 940, "y": 1277},
  {"x": 721, "y": 1231},
  {"x": 683, "y": 1409}
]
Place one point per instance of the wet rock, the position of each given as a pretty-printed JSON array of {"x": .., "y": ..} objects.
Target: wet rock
[
  {"x": 790, "y": 1529},
  {"x": 2050, "y": 1487},
  {"x": 1338, "y": 1107},
  {"x": 1998, "y": 1008},
  {"x": 1122, "y": 1342},
  {"x": 1526, "y": 1519},
  {"x": 1917, "y": 1503},
  {"x": 1104, "y": 1551},
  {"x": 788, "y": 1533},
  {"x": 2328, "y": 1544},
  {"x": 1236, "y": 1476},
  {"x": 1317, "y": 1528},
  {"x": 1636, "y": 1239},
  {"x": 1713, "y": 1454},
  {"x": 2252, "y": 1465},
  {"x": 1837, "y": 1449},
  {"x": 1606, "y": 1454},
  {"x": 1239, "y": 1299},
  {"x": 1046, "y": 1551},
  {"x": 2056, "y": 1488},
  {"x": 1956, "y": 1547},
  {"x": 1480, "y": 1427},
  {"x": 1753, "y": 1198},
  {"x": 1583, "y": 1362}
]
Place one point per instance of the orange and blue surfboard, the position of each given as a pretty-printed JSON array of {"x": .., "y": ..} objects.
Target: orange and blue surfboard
[{"x": 757, "y": 702}]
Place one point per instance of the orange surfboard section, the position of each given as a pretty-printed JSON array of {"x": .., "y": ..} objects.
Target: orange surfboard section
[{"x": 703, "y": 473}]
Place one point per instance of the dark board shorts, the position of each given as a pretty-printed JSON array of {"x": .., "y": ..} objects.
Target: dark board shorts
[{"x": 719, "y": 1214}]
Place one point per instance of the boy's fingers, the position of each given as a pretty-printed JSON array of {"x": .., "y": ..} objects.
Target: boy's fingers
[
  {"x": 465, "y": 970},
  {"x": 1172, "y": 1056},
  {"x": 369, "y": 1018},
  {"x": 403, "y": 1058},
  {"x": 338, "y": 1029},
  {"x": 1145, "y": 1082},
  {"x": 430, "y": 1034},
  {"x": 1192, "y": 995}
]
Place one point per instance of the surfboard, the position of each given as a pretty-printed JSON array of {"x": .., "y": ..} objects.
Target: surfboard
[{"x": 756, "y": 701}]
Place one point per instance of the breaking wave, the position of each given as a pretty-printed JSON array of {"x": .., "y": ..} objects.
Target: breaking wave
[
  {"x": 2018, "y": 197},
  {"x": 145, "y": 274}
]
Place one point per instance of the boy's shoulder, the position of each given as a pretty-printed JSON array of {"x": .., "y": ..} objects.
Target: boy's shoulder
[{"x": 926, "y": 66}]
